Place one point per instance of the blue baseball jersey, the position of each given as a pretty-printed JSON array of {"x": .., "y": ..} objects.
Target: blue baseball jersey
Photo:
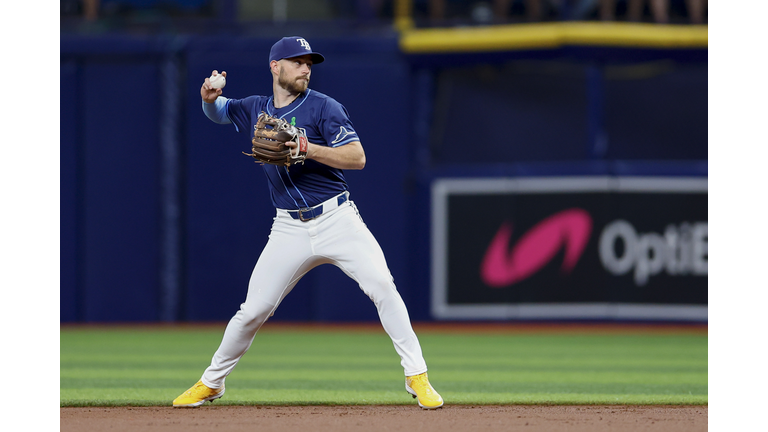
[{"x": 326, "y": 122}]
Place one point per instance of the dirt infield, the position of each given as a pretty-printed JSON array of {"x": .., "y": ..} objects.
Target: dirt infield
[{"x": 388, "y": 418}]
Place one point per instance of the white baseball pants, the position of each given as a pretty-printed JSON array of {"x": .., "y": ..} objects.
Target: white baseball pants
[{"x": 338, "y": 237}]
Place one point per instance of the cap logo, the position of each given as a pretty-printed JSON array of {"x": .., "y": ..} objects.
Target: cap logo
[{"x": 304, "y": 44}]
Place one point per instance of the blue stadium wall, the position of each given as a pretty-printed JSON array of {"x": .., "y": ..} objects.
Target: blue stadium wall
[{"x": 162, "y": 217}]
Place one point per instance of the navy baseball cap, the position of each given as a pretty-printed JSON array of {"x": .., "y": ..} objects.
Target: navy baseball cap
[{"x": 293, "y": 46}]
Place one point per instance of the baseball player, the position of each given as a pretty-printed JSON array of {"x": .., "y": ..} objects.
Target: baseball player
[{"x": 316, "y": 222}]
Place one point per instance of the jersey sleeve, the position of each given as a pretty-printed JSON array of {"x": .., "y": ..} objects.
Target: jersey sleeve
[
  {"x": 217, "y": 111},
  {"x": 239, "y": 112},
  {"x": 338, "y": 129}
]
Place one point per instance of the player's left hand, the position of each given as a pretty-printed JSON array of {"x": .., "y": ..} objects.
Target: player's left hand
[{"x": 276, "y": 142}]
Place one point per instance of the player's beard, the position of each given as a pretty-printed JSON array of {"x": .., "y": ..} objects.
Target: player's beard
[{"x": 298, "y": 85}]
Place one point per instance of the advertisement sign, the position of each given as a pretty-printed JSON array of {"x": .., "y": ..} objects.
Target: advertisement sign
[{"x": 570, "y": 248}]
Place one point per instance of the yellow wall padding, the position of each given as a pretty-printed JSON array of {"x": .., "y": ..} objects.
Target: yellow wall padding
[{"x": 552, "y": 35}]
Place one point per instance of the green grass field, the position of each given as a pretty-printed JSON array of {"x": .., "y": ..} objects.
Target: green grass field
[{"x": 150, "y": 367}]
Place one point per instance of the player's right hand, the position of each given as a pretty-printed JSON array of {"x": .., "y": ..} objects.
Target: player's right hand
[{"x": 208, "y": 93}]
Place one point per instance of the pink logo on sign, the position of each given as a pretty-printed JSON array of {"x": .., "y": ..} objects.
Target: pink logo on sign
[{"x": 569, "y": 229}]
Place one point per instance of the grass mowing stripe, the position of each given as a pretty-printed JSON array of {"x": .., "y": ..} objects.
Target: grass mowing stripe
[
  {"x": 151, "y": 367},
  {"x": 102, "y": 386},
  {"x": 73, "y": 375}
]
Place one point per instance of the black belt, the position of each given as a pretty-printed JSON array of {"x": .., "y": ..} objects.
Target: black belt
[{"x": 310, "y": 213}]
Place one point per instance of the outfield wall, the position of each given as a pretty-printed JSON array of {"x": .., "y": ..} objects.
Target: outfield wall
[{"x": 162, "y": 217}]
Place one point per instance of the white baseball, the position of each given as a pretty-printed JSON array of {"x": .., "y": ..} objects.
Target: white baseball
[{"x": 217, "y": 81}]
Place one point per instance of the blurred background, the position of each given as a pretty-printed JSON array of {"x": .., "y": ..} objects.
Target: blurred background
[{"x": 570, "y": 134}]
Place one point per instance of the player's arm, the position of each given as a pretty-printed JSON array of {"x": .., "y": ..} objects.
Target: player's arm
[
  {"x": 344, "y": 150},
  {"x": 214, "y": 107},
  {"x": 349, "y": 156}
]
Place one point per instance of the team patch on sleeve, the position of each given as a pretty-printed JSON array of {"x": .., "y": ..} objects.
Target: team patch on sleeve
[{"x": 343, "y": 136}]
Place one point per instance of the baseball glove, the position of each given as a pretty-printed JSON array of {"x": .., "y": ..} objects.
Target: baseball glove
[{"x": 269, "y": 137}]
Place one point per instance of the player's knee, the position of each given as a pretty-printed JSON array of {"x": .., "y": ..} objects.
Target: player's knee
[
  {"x": 255, "y": 314},
  {"x": 380, "y": 289}
]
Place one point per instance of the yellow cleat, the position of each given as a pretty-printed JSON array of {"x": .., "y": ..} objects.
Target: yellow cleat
[
  {"x": 197, "y": 395},
  {"x": 419, "y": 387}
]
